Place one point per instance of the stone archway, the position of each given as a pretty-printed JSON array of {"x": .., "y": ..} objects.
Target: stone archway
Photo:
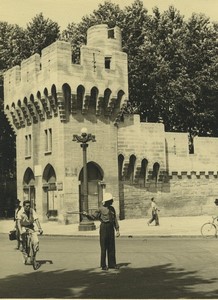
[
  {"x": 50, "y": 199},
  {"x": 95, "y": 176},
  {"x": 29, "y": 187}
]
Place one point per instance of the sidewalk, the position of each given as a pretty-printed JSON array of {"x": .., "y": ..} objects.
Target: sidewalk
[{"x": 169, "y": 226}]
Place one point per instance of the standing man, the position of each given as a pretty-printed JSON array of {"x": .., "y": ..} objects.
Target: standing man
[
  {"x": 107, "y": 216},
  {"x": 26, "y": 218},
  {"x": 154, "y": 213},
  {"x": 17, "y": 209}
]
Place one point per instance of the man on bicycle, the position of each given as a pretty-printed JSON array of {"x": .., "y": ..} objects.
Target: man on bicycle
[{"x": 26, "y": 218}]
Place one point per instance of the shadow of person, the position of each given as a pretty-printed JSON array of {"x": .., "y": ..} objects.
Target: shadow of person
[
  {"x": 43, "y": 262},
  {"x": 120, "y": 265}
]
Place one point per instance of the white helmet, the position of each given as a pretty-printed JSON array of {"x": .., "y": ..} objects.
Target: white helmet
[{"x": 107, "y": 197}]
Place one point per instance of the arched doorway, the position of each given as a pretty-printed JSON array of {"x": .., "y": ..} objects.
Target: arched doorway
[
  {"x": 29, "y": 187},
  {"x": 95, "y": 187},
  {"x": 50, "y": 201}
]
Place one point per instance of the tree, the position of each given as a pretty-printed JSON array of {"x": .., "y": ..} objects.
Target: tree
[
  {"x": 176, "y": 77},
  {"x": 201, "y": 51},
  {"x": 41, "y": 33},
  {"x": 13, "y": 45},
  {"x": 134, "y": 26}
]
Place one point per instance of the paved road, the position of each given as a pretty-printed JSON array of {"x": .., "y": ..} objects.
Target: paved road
[{"x": 149, "y": 268}]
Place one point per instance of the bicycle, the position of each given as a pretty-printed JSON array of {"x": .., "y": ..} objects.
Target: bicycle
[
  {"x": 209, "y": 229},
  {"x": 29, "y": 251}
]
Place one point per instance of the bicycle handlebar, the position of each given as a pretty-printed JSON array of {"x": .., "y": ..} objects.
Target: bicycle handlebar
[{"x": 29, "y": 230}]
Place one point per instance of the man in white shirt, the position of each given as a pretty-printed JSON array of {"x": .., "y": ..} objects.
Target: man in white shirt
[
  {"x": 154, "y": 213},
  {"x": 27, "y": 218}
]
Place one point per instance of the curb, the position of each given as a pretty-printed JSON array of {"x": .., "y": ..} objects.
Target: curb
[{"x": 126, "y": 236}]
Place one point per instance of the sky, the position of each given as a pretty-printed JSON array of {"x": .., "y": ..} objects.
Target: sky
[{"x": 64, "y": 12}]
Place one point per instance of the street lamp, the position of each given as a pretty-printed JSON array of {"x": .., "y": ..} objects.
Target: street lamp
[{"x": 84, "y": 138}]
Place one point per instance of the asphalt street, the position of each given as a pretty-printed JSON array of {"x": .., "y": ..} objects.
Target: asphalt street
[{"x": 150, "y": 268}]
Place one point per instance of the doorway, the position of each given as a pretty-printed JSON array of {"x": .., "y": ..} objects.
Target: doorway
[
  {"x": 50, "y": 199},
  {"x": 95, "y": 191}
]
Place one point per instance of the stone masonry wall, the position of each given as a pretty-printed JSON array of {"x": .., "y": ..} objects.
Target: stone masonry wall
[{"x": 189, "y": 184}]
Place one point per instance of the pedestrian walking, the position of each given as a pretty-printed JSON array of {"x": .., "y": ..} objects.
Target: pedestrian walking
[
  {"x": 107, "y": 216},
  {"x": 18, "y": 206},
  {"x": 154, "y": 213}
]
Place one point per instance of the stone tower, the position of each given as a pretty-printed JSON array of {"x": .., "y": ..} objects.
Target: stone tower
[{"x": 48, "y": 99}]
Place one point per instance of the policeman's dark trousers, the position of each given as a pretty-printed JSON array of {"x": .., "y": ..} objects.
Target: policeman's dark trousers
[{"x": 107, "y": 243}]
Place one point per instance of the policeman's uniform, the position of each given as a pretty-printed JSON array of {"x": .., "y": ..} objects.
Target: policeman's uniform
[{"x": 107, "y": 216}]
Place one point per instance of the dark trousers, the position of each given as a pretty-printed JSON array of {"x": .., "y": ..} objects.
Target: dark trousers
[
  {"x": 107, "y": 243},
  {"x": 154, "y": 218}
]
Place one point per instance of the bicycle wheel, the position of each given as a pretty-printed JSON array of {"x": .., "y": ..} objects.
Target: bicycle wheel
[
  {"x": 25, "y": 250},
  {"x": 208, "y": 230},
  {"x": 33, "y": 261}
]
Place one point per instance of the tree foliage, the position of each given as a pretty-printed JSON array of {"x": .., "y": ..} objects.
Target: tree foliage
[
  {"x": 13, "y": 47},
  {"x": 172, "y": 62},
  {"x": 41, "y": 33},
  {"x": 181, "y": 85}
]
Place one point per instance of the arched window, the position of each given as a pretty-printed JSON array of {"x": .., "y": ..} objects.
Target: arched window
[
  {"x": 131, "y": 168},
  {"x": 67, "y": 98},
  {"x": 143, "y": 171},
  {"x": 155, "y": 173},
  {"x": 93, "y": 98},
  {"x": 80, "y": 97},
  {"x": 53, "y": 93},
  {"x": 107, "y": 96},
  {"x": 29, "y": 187}
]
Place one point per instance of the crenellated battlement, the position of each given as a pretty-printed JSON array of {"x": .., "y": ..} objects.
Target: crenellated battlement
[
  {"x": 193, "y": 175},
  {"x": 99, "y": 81},
  {"x": 169, "y": 151}
]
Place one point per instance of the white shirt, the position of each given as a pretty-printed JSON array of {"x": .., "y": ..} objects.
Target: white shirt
[{"x": 23, "y": 217}]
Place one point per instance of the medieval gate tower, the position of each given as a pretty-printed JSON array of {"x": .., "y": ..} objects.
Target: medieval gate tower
[{"x": 47, "y": 100}]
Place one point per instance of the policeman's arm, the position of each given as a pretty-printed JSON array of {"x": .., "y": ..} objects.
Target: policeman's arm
[
  {"x": 94, "y": 216},
  {"x": 116, "y": 224}
]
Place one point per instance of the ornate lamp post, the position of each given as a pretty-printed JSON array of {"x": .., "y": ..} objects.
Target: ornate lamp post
[{"x": 84, "y": 138}]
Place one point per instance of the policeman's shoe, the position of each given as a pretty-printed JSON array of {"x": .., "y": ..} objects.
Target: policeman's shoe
[
  {"x": 104, "y": 268},
  {"x": 116, "y": 267}
]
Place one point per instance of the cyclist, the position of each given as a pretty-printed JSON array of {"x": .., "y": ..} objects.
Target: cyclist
[{"x": 26, "y": 218}]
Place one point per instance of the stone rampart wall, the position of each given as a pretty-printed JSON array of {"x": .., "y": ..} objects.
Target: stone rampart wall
[{"x": 181, "y": 196}]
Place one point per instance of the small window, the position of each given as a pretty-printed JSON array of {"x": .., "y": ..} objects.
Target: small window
[
  {"x": 111, "y": 33},
  {"x": 107, "y": 62},
  {"x": 48, "y": 140},
  {"x": 155, "y": 173},
  {"x": 28, "y": 145}
]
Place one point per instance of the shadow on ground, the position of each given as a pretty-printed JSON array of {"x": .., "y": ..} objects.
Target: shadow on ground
[{"x": 157, "y": 282}]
